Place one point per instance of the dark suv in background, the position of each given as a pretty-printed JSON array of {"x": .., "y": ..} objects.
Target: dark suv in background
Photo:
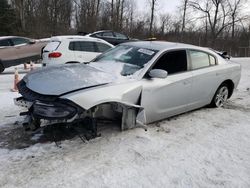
[{"x": 112, "y": 37}]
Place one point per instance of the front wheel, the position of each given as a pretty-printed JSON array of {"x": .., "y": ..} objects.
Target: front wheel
[
  {"x": 1, "y": 68},
  {"x": 221, "y": 96}
]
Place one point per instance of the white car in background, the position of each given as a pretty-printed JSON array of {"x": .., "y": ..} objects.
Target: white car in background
[{"x": 73, "y": 49}]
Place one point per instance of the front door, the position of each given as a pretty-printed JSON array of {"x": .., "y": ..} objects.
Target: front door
[{"x": 162, "y": 98}]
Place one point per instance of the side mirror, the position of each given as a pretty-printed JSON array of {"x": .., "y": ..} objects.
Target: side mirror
[
  {"x": 158, "y": 73},
  {"x": 32, "y": 41}
]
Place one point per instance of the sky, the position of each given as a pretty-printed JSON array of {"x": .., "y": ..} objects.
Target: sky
[
  {"x": 162, "y": 5},
  {"x": 170, "y": 6}
]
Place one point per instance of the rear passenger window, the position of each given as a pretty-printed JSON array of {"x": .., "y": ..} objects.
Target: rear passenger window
[
  {"x": 102, "y": 47},
  {"x": 173, "y": 62},
  {"x": 97, "y": 35},
  {"x": 82, "y": 46},
  {"x": 212, "y": 60},
  {"x": 107, "y": 34},
  {"x": 199, "y": 59},
  {"x": 18, "y": 41},
  {"x": 120, "y": 36}
]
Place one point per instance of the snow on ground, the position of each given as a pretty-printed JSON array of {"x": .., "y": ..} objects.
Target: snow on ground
[{"x": 203, "y": 148}]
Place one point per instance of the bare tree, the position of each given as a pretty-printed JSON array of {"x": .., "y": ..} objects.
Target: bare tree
[
  {"x": 121, "y": 14},
  {"x": 165, "y": 21},
  {"x": 8, "y": 19},
  {"x": 127, "y": 15},
  {"x": 19, "y": 6},
  {"x": 152, "y": 6},
  {"x": 87, "y": 15},
  {"x": 235, "y": 8},
  {"x": 216, "y": 14},
  {"x": 184, "y": 15}
]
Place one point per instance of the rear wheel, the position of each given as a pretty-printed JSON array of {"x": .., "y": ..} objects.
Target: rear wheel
[
  {"x": 1, "y": 68},
  {"x": 220, "y": 96},
  {"x": 72, "y": 62}
]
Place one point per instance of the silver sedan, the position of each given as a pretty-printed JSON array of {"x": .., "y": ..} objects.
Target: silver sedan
[{"x": 137, "y": 82}]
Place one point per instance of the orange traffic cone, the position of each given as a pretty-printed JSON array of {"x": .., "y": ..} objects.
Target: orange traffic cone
[
  {"x": 16, "y": 80},
  {"x": 25, "y": 66}
]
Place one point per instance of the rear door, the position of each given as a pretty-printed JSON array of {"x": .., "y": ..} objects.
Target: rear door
[
  {"x": 162, "y": 98},
  {"x": 84, "y": 51},
  {"x": 110, "y": 37},
  {"x": 204, "y": 69},
  {"x": 102, "y": 47}
]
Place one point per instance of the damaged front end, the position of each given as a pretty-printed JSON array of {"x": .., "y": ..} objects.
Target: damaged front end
[
  {"x": 55, "y": 115},
  {"x": 43, "y": 113},
  {"x": 44, "y": 110},
  {"x": 40, "y": 113}
]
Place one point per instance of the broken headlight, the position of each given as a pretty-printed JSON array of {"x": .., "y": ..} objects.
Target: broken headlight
[{"x": 54, "y": 110}]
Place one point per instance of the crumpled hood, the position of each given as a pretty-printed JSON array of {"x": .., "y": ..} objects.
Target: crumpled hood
[{"x": 63, "y": 79}]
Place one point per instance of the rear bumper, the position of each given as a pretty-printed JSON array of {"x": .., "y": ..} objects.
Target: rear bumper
[{"x": 52, "y": 61}]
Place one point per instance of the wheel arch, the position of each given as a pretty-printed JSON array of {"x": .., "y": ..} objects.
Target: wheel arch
[
  {"x": 2, "y": 67},
  {"x": 128, "y": 112},
  {"x": 72, "y": 62},
  {"x": 230, "y": 85}
]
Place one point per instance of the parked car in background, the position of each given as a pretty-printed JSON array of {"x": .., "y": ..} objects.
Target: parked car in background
[
  {"x": 112, "y": 37},
  {"x": 141, "y": 82},
  {"x": 18, "y": 50},
  {"x": 73, "y": 49}
]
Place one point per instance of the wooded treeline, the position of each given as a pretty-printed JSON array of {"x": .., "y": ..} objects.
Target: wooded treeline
[{"x": 220, "y": 24}]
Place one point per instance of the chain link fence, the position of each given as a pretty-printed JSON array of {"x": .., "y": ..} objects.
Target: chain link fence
[{"x": 243, "y": 51}]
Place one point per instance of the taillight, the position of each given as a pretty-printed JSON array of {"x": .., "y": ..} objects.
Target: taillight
[{"x": 55, "y": 55}]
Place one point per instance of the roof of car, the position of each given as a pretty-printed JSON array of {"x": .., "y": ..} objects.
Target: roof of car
[
  {"x": 8, "y": 37},
  {"x": 160, "y": 45},
  {"x": 65, "y": 37},
  {"x": 77, "y": 37},
  {"x": 101, "y": 31}
]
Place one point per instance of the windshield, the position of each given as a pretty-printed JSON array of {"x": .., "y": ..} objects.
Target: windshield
[
  {"x": 131, "y": 58},
  {"x": 51, "y": 46}
]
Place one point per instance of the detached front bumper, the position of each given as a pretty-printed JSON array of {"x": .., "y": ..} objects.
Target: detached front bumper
[
  {"x": 22, "y": 103},
  {"x": 47, "y": 113},
  {"x": 53, "y": 110}
]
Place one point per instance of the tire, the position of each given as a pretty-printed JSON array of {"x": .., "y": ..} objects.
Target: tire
[
  {"x": 1, "y": 68},
  {"x": 220, "y": 96},
  {"x": 72, "y": 62}
]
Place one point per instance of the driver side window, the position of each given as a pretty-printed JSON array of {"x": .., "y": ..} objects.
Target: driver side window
[{"x": 172, "y": 62}]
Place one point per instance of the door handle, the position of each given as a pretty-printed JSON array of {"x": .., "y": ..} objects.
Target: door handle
[{"x": 186, "y": 82}]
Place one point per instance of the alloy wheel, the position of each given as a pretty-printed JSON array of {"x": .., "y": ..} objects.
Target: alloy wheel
[{"x": 221, "y": 96}]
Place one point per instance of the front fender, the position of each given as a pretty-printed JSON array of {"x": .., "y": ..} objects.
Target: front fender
[{"x": 127, "y": 94}]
